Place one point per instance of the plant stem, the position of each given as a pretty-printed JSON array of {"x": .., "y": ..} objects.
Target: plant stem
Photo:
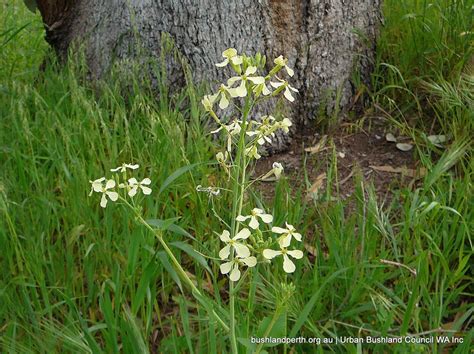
[
  {"x": 176, "y": 264},
  {"x": 238, "y": 198},
  {"x": 269, "y": 328}
]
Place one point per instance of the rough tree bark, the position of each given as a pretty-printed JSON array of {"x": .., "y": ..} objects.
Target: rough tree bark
[{"x": 325, "y": 40}]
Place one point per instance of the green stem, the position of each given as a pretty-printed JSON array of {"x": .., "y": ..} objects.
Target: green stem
[
  {"x": 176, "y": 264},
  {"x": 269, "y": 328},
  {"x": 238, "y": 198}
]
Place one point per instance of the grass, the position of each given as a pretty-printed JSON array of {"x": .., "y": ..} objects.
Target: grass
[{"x": 77, "y": 278}]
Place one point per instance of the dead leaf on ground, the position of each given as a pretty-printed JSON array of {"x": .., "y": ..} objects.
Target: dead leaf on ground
[
  {"x": 390, "y": 137},
  {"x": 404, "y": 146},
  {"x": 316, "y": 185},
  {"x": 437, "y": 140},
  {"x": 318, "y": 147},
  {"x": 311, "y": 249},
  {"x": 402, "y": 170}
]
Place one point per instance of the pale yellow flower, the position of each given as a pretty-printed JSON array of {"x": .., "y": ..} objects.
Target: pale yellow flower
[
  {"x": 287, "y": 88},
  {"x": 285, "y": 125},
  {"x": 282, "y": 62},
  {"x": 124, "y": 167},
  {"x": 232, "y": 267},
  {"x": 241, "y": 250},
  {"x": 241, "y": 91},
  {"x": 231, "y": 130},
  {"x": 99, "y": 187},
  {"x": 230, "y": 55},
  {"x": 134, "y": 185},
  {"x": 96, "y": 185},
  {"x": 208, "y": 102},
  {"x": 288, "y": 265},
  {"x": 287, "y": 234},
  {"x": 253, "y": 152},
  {"x": 277, "y": 169},
  {"x": 254, "y": 215}
]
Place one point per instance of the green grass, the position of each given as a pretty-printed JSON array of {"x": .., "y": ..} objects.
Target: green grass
[{"x": 77, "y": 278}]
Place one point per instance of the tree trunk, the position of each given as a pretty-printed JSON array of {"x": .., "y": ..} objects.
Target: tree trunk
[{"x": 326, "y": 41}]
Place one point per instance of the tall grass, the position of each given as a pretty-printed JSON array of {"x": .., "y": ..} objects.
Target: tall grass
[
  {"x": 77, "y": 278},
  {"x": 425, "y": 54}
]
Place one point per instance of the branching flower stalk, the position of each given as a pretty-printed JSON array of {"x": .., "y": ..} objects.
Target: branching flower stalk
[
  {"x": 249, "y": 239},
  {"x": 251, "y": 90}
]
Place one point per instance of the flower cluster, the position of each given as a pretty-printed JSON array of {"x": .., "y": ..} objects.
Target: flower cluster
[
  {"x": 248, "y": 82},
  {"x": 237, "y": 250},
  {"x": 107, "y": 186}
]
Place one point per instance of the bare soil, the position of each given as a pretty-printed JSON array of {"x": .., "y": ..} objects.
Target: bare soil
[{"x": 356, "y": 147}]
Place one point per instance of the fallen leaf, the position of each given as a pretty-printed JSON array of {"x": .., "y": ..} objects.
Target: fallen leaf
[
  {"x": 402, "y": 170},
  {"x": 390, "y": 137},
  {"x": 437, "y": 140},
  {"x": 404, "y": 146},
  {"x": 316, "y": 185},
  {"x": 311, "y": 249},
  {"x": 318, "y": 147}
]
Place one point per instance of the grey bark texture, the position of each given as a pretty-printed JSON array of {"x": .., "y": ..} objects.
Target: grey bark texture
[{"x": 326, "y": 41}]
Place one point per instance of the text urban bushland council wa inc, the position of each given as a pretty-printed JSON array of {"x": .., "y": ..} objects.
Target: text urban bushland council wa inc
[{"x": 356, "y": 340}]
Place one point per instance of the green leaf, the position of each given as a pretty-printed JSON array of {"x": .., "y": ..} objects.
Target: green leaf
[
  {"x": 169, "y": 225},
  {"x": 310, "y": 304},
  {"x": 169, "y": 268},
  {"x": 193, "y": 254},
  {"x": 176, "y": 174},
  {"x": 149, "y": 274},
  {"x": 135, "y": 333}
]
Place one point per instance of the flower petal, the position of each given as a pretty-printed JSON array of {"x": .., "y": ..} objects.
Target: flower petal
[
  {"x": 222, "y": 64},
  {"x": 295, "y": 254},
  {"x": 284, "y": 241},
  {"x": 225, "y": 252},
  {"x": 235, "y": 274},
  {"x": 289, "y": 70},
  {"x": 257, "y": 80},
  {"x": 288, "y": 265},
  {"x": 110, "y": 184},
  {"x": 266, "y": 218},
  {"x": 237, "y": 60},
  {"x": 242, "y": 234},
  {"x": 242, "y": 218},
  {"x": 276, "y": 84},
  {"x": 233, "y": 80},
  {"x": 225, "y": 236},
  {"x": 112, "y": 195},
  {"x": 224, "y": 102},
  {"x": 250, "y": 261},
  {"x": 254, "y": 223},
  {"x": 279, "y": 230},
  {"x": 241, "y": 91},
  {"x": 132, "y": 181},
  {"x": 265, "y": 90},
  {"x": 226, "y": 267},
  {"x": 241, "y": 250},
  {"x": 103, "y": 201},
  {"x": 250, "y": 70},
  {"x": 146, "y": 181},
  {"x": 229, "y": 53},
  {"x": 288, "y": 95},
  {"x": 146, "y": 190},
  {"x": 133, "y": 191},
  {"x": 270, "y": 254},
  {"x": 297, "y": 236}
]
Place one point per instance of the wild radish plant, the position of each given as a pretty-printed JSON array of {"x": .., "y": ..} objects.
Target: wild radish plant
[{"x": 248, "y": 237}]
